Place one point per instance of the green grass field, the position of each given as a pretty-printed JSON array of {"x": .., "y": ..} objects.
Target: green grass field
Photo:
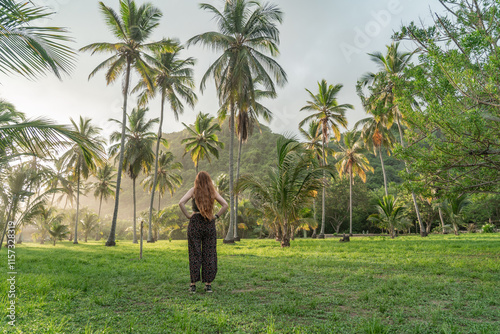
[{"x": 439, "y": 284}]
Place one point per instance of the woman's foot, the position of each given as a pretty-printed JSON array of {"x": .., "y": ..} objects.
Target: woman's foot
[
  {"x": 192, "y": 288},
  {"x": 208, "y": 288}
]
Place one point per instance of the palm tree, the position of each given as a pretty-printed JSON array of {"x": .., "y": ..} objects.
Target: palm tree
[
  {"x": 132, "y": 28},
  {"x": 167, "y": 176},
  {"x": 289, "y": 187},
  {"x": 392, "y": 67},
  {"x": 138, "y": 152},
  {"x": 58, "y": 231},
  {"x": 389, "y": 214},
  {"x": 44, "y": 218},
  {"x": 453, "y": 207},
  {"x": 330, "y": 115},
  {"x": 75, "y": 162},
  {"x": 173, "y": 80},
  {"x": 89, "y": 223},
  {"x": 376, "y": 135},
  {"x": 313, "y": 143},
  {"x": 352, "y": 161},
  {"x": 204, "y": 142},
  {"x": 248, "y": 39},
  {"x": 104, "y": 187},
  {"x": 29, "y": 50}
]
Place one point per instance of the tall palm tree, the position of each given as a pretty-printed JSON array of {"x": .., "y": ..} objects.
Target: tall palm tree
[
  {"x": 105, "y": 186},
  {"x": 313, "y": 143},
  {"x": 173, "y": 80},
  {"x": 167, "y": 176},
  {"x": 204, "y": 142},
  {"x": 75, "y": 162},
  {"x": 352, "y": 161},
  {"x": 248, "y": 39},
  {"x": 289, "y": 187},
  {"x": 376, "y": 135},
  {"x": 331, "y": 115},
  {"x": 138, "y": 152},
  {"x": 132, "y": 28},
  {"x": 391, "y": 69},
  {"x": 30, "y": 50}
]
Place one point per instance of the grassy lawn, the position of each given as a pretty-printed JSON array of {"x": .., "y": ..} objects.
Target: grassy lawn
[{"x": 439, "y": 284}]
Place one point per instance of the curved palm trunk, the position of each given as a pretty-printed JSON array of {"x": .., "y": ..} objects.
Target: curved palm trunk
[
  {"x": 111, "y": 238},
  {"x": 236, "y": 237},
  {"x": 350, "y": 201},
  {"x": 229, "y": 239},
  {"x": 441, "y": 219},
  {"x": 155, "y": 178},
  {"x": 423, "y": 233},
  {"x": 135, "y": 212},
  {"x": 383, "y": 170},
  {"x": 77, "y": 202},
  {"x": 322, "y": 233}
]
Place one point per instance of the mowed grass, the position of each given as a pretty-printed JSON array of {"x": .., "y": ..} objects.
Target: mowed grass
[{"x": 438, "y": 284}]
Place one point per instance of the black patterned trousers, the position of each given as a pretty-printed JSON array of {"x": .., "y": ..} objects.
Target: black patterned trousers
[{"x": 202, "y": 245}]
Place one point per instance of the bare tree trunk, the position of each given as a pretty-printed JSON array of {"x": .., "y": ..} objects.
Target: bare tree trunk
[
  {"x": 236, "y": 237},
  {"x": 417, "y": 211},
  {"x": 322, "y": 233},
  {"x": 155, "y": 178},
  {"x": 77, "y": 201},
  {"x": 112, "y": 232},
  {"x": 350, "y": 201},
  {"x": 383, "y": 170},
  {"x": 230, "y": 234},
  {"x": 441, "y": 218},
  {"x": 135, "y": 213}
]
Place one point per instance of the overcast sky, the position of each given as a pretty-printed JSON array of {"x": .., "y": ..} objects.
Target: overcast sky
[{"x": 320, "y": 39}]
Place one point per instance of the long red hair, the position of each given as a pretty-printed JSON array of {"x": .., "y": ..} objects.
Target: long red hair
[{"x": 204, "y": 194}]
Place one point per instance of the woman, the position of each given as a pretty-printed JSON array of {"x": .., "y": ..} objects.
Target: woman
[{"x": 202, "y": 237}]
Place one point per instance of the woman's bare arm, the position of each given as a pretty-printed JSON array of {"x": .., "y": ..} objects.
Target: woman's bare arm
[
  {"x": 183, "y": 201},
  {"x": 222, "y": 202}
]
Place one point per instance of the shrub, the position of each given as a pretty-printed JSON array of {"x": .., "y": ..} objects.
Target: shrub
[{"x": 488, "y": 228}]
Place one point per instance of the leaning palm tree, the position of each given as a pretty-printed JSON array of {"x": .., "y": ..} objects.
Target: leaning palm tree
[
  {"x": 352, "y": 161},
  {"x": 75, "y": 162},
  {"x": 30, "y": 50},
  {"x": 248, "y": 39},
  {"x": 173, "y": 81},
  {"x": 138, "y": 155},
  {"x": 132, "y": 27},
  {"x": 389, "y": 214},
  {"x": 391, "y": 69},
  {"x": 288, "y": 188},
  {"x": 167, "y": 176},
  {"x": 203, "y": 141},
  {"x": 104, "y": 186},
  {"x": 331, "y": 115}
]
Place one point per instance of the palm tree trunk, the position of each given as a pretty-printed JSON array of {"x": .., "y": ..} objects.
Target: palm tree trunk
[
  {"x": 98, "y": 218},
  {"x": 315, "y": 220},
  {"x": 350, "y": 201},
  {"x": 12, "y": 206},
  {"x": 230, "y": 233},
  {"x": 112, "y": 232},
  {"x": 236, "y": 237},
  {"x": 196, "y": 166},
  {"x": 417, "y": 211},
  {"x": 441, "y": 218},
  {"x": 159, "y": 198},
  {"x": 135, "y": 213},
  {"x": 322, "y": 233},
  {"x": 383, "y": 170},
  {"x": 77, "y": 201},
  {"x": 155, "y": 178}
]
